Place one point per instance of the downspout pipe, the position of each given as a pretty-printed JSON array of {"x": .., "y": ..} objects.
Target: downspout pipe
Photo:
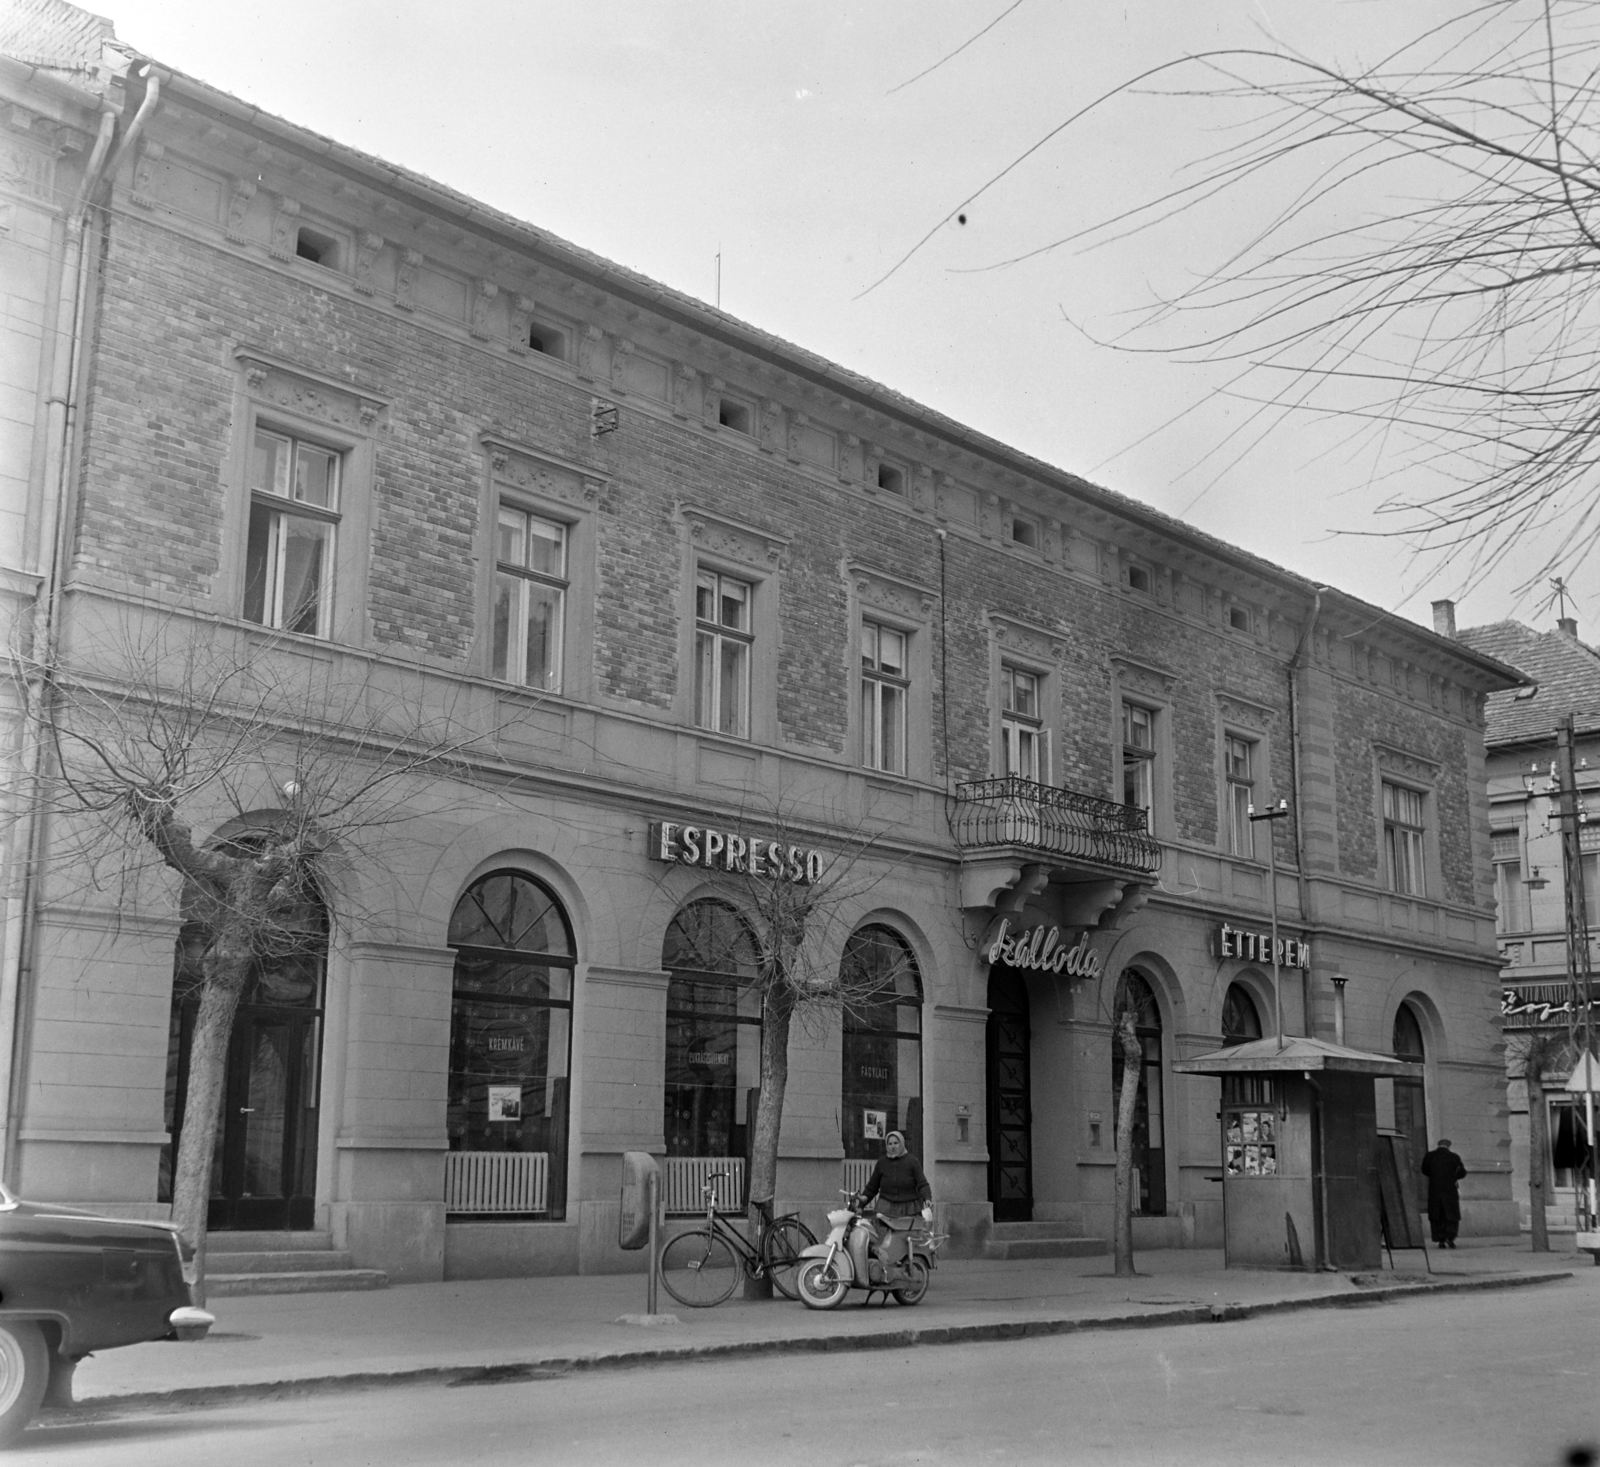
[
  {"x": 1296, "y": 761},
  {"x": 52, "y": 549}
]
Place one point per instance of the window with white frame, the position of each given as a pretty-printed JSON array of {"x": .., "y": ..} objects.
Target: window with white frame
[
  {"x": 530, "y": 596},
  {"x": 1239, "y": 769},
  {"x": 1138, "y": 756},
  {"x": 1510, "y": 889},
  {"x": 1404, "y": 831},
  {"x": 1025, "y": 740},
  {"x": 885, "y": 680},
  {"x": 722, "y": 643},
  {"x": 294, "y": 518}
]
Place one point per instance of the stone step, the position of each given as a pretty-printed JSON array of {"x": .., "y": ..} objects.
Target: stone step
[
  {"x": 218, "y": 1241},
  {"x": 304, "y": 1260},
  {"x": 226, "y": 1285},
  {"x": 1016, "y": 1249},
  {"x": 1010, "y": 1231}
]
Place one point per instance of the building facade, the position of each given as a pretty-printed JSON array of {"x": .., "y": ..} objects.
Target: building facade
[
  {"x": 727, "y": 613},
  {"x": 1539, "y": 997}
]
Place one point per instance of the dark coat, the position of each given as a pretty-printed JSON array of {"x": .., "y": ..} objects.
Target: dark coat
[
  {"x": 1444, "y": 1171},
  {"x": 899, "y": 1179}
]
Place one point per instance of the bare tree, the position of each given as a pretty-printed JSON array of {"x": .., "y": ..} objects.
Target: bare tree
[
  {"x": 1408, "y": 249},
  {"x": 1125, "y": 1037},
  {"x": 166, "y": 729}
]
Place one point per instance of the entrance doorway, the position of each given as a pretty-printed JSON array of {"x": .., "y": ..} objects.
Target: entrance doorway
[{"x": 1010, "y": 1102}]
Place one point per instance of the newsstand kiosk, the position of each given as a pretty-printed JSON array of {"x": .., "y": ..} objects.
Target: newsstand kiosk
[{"x": 1299, "y": 1151}]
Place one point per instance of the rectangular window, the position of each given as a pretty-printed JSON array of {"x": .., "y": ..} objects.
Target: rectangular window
[
  {"x": 294, "y": 516},
  {"x": 1138, "y": 756},
  {"x": 1239, "y": 760},
  {"x": 1021, "y": 726},
  {"x": 1403, "y": 829},
  {"x": 722, "y": 654},
  {"x": 884, "y": 681},
  {"x": 530, "y": 592},
  {"x": 1512, "y": 906}
]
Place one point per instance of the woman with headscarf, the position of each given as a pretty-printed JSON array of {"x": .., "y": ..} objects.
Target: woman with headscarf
[{"x": 902, "y": 1190}]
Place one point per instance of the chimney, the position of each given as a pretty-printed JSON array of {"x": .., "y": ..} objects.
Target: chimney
[
  {"x": 1568, "y": 626},
  {"x": 1444, "y": 619}
]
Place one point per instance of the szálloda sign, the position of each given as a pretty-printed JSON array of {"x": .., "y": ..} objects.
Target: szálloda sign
[
  {"x": 1041, "y": 950},
  {"x": 726, "y": 850}
]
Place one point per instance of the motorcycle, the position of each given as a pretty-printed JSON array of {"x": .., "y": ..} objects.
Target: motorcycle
[{"x": 851, "y": 1258}]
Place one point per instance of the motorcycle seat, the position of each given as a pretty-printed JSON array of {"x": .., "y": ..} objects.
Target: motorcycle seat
[{"x": 899, "y": 1224}]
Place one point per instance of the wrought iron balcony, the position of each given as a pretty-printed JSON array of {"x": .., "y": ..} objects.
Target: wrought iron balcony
[{"x": 996, "y": 813}]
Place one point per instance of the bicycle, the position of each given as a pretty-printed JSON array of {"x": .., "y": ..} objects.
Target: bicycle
[{"x": 702, "y": 1267}]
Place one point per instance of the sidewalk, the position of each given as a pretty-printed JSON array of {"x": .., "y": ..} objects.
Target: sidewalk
[{"x": 509, "y": 1328}]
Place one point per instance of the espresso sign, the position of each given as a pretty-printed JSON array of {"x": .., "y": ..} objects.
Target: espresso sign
[
  {"x": 1256, "y": 947},
  {"x": 727, "y": 850},
  {"x": 1040, "y": 949}
]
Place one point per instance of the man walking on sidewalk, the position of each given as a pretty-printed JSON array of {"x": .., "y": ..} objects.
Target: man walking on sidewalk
[{"x": 1444, "y": 1171}]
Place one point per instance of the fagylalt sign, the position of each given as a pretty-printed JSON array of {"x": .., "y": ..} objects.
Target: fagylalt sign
[{"x": 679, "y": 844}]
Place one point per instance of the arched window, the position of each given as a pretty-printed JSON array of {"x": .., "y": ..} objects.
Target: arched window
[
  {"x": 510, "y": 1051},
  {"x": 265, "y": 1167},
  {"x": 713, "y": 1067},
  {"x": 1410, "y": 1096},
  {"x": 1149, "y": 1153},
  {"x": 1241, "y": 1020},
  {"x": 881, "y": 1075}
]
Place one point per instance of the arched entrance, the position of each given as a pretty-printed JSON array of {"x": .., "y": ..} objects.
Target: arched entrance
[
  {"x": 1149, "y": 1138},
  {"x": 1410, "y": 1096},
  {"x": 881, "y": 1059},
  {"x": 1010, "y": 1101}
]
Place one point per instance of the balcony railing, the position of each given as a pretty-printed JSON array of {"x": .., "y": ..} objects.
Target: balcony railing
[{"x": 992, "y": 813}]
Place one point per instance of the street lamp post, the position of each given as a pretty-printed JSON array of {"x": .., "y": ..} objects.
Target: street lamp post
[{"x": 1280, "y": 811}]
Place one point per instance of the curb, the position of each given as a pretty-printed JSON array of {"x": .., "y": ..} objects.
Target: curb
[{"x": 190, "y": 1397}]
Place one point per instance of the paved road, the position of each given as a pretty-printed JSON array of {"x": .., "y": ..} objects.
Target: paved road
[{"x": 1498, "y": 1378}]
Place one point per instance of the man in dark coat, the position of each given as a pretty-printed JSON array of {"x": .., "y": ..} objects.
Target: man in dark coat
[
  {"x": 1444, "y": 1171},
  {"x": 902, "y": 1190}
]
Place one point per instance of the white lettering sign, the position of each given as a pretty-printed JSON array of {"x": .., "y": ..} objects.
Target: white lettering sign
[
  {"x": 725, "y": 850},
  {"x": 1039, "y": 949},
  {"x": 1256, "y": 947}
]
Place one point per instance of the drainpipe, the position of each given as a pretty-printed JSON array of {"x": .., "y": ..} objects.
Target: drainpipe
[
  {"x": 54, "y": 534},
  {"x": 1303, "y": 882}
]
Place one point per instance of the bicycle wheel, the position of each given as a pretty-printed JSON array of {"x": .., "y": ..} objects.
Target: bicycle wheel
[
  {"x": 699, "y": 1269},
  {"x": 785, "y": 1240}
]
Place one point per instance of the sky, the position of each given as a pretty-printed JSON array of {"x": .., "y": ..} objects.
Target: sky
[{"x": 803, "y": 144}]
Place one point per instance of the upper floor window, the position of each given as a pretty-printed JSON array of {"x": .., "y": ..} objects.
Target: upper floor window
[
  {"x": 294, "y": 517},
  {"x": 530, "y": 591},
  {"x": 884, "y": 681},
  {"x": 1239, "y": 763},
  {"x": 722, "y": 641},
  {"x": 1138, "y": 756},
  {"x": 1510, "y": 889},
  {"x": 1022, "y": 731},
  {"x": 1404, "y": 827}
]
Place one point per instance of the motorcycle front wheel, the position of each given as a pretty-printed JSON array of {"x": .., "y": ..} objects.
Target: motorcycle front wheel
[
  {"x": 912, "y": 1292},
  {"x": 819, "y": 1286}
]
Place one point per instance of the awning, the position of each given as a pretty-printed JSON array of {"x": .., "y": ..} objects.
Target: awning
[{"x": 1298, "y": 1054}]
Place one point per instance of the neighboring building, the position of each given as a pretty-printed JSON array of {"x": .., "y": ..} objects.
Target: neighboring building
[
  {"x": 1520, "y": 734},
  {"x": 716, "y": 584}
]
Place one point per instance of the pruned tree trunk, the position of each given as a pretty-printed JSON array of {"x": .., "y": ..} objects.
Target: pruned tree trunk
[
  {"x": 1536, "y": 1059},
  {"x": 777, "y": 1009},
  {"x": 1127, "y": 1039},
  {"x": 208, "y": 1066}
]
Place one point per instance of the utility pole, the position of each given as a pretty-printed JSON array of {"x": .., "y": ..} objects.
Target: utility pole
[
  {"x": 1567, "y": 803},
  {"x": 1280, "y": 811}
]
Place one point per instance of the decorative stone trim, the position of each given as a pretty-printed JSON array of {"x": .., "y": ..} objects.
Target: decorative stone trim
[
  {"x": 621, "y": 354},
  {"x": 1138, "y": 677},
  {"x": 523, "y": 466},
  {"x": 483, "y": 298},
  {"x": 311, "y": 395},
  {"x": 711, "y": 407},
  {"x": 285, "y": 225},
  {"x": 686, "y": 390},
  {"x": 368, "y": 247},
  {"x": 150, "y": 153},
  {"x": 244, "y": 189},
  {"x": 880, "y": 592},
  {"x": 1027, "y": 640},
  {"x": 1408, "y": 766},
  {"x": 771, "y": 428},
  {"x": 589, "y": 344},
  {"x": 405, "y": 280},
  {"x": 521, "y": 324},
  {"x": 738, "y": 542},
  {"x": 1254, "y": 716}
]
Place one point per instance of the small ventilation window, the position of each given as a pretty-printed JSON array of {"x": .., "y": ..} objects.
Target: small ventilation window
[
  {"x": 891, "y": 480},
  {"x": 1239, "y": 618},
  {"x": 1025, "y": 532},
  {"x": 548, "y": 340},
  {"x": 1138, "y": 578},
  {"x": 733, "y": 415},
  {"x": 319, "y": 248}
]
